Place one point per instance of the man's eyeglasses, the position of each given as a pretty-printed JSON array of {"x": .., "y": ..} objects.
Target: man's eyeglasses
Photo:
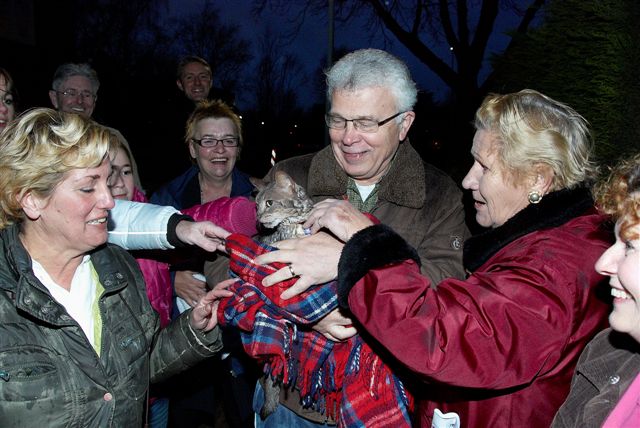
[
  {"x": 208, "y": 142},
  {"x": 73, "y": 93},
  {"x": 363, "y": 125}
]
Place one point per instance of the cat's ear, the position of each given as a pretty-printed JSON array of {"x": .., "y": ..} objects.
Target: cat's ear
[
  {"x": 283, "y": 180},
  {"x": 258, "y": 183}
]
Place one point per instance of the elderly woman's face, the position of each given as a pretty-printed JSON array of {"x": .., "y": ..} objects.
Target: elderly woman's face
[
  {"x": 74, "y": 218},
  {"x": 496, "y": 198},
  {"x": 621, "y": 263}
]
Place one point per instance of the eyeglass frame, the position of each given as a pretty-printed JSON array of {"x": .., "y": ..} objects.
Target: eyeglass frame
[
  {"x": 355, "y": 122},
  {"x": 217, "y": 140},
  {"x": 84, "y": 94}
]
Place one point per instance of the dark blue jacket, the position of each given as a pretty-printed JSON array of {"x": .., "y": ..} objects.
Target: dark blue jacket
[{"x": 184, "y": 190}]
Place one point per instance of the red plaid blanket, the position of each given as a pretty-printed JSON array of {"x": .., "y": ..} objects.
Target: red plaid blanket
[{"x": 345, "y": 380}]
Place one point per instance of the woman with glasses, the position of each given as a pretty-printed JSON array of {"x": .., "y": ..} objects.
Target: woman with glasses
[{"x": 214, "y": 139}]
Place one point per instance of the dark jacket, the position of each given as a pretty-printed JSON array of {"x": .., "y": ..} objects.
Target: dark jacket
[
  {"x": 50, "y": 375},
  {"x": 606, "y": 368},
  {"x": 184, "y": 190},
  {"x": 498, "y": 348},
  {"x": 421, "y": 203}
]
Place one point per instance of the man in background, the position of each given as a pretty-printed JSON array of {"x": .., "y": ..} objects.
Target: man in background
[{"x": 194, "y": 78}]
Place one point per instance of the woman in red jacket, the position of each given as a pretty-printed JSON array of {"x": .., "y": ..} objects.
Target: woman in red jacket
[{"x": 499, "y": 348}]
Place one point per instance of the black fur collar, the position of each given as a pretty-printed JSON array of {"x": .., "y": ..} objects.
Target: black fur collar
[{"x": 554, "y": 210}]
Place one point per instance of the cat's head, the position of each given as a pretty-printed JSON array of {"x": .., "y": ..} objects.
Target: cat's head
[{"x": 282, "y": 201}]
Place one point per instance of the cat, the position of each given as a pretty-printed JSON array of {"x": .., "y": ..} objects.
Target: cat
[{"x": 282, "y": 207}]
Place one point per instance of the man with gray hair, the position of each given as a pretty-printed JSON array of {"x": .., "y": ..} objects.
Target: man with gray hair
[
  {"x": 75, "y": 89},
  {"x": 371, "y": 163}
]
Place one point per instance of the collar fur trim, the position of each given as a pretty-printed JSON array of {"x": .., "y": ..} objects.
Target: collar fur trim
[
  {"x": 403, "y": 185},
  {"x": 554, "y": 210}
]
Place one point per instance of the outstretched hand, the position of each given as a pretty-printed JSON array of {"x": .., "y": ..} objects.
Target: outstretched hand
[
  {"x": 338, "y": 216},
  {"x": 203, "y": 314},
  {"x": 314, "y": 259},
  {"x": 204, "y": 234}
]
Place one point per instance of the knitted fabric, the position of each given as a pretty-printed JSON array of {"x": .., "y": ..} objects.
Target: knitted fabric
[
  {"x": 353, "y": 196},
  {"x": 344, "y": 380}
]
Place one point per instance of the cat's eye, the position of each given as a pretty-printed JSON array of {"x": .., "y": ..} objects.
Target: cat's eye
[{"x": 268, "y": 203}]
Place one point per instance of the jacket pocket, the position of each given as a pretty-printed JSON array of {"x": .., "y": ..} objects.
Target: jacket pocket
[
  {"x": 132, "y": 346},
  {"x": 34, "y": 389},
  {"x": 28, "y": 374}
]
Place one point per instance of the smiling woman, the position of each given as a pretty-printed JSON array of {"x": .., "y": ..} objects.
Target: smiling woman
[
  {"x": 77, "y": 332},
  {"x": 606, "y": 385}
]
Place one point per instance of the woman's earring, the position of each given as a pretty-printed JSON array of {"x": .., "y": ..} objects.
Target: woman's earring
[{"x": 534, "y": 197}]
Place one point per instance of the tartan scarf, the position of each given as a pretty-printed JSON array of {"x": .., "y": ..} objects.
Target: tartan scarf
[{"x": 346, "y": 380}]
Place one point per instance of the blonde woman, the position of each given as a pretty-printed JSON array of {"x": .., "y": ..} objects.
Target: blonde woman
[{"x": 79, "y": 341}]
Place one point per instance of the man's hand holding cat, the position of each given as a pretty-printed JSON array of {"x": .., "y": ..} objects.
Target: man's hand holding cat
[
  {"x": 335, "y": 326},
  {"x": 314, "y": 259},
  {"x": 339, "y": 216}
]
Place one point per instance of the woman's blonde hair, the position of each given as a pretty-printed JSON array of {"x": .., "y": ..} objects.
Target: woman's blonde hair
[
  {"x": 39, "y": 148},
  {"x": 532, "y": 130},
  {"x": 619, "y": 196}
]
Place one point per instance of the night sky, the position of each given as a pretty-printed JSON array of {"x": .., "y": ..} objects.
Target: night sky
[{"x": 311, "y": 44}]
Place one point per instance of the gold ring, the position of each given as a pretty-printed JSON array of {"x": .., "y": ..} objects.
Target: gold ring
[{"x": 293, "y": 274}]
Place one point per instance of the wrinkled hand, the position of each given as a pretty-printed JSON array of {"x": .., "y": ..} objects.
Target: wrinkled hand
[
  {"x": 335, "y": 326},
  {"x": 204, "y": 234},
  {"x": 313, "y": 258},
  {"x": 203, "y": 315},
  {"x": 189, "y": 288},
  {"x": 339, "y": 216}
]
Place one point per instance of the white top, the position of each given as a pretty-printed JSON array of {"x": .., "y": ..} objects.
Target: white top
[
  {"x": 365, "y": 191},
  {"x": 79, "y": 300},
  {"x": 139, "y": 226}
]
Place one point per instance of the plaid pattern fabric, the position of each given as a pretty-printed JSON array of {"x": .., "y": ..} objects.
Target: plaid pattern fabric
[
  {"x": 345, "y": 380},
  {"x": 353, "y": 196}
]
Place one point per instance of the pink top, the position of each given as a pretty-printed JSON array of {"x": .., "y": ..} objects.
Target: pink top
[{"x": 627, "y": 411}]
